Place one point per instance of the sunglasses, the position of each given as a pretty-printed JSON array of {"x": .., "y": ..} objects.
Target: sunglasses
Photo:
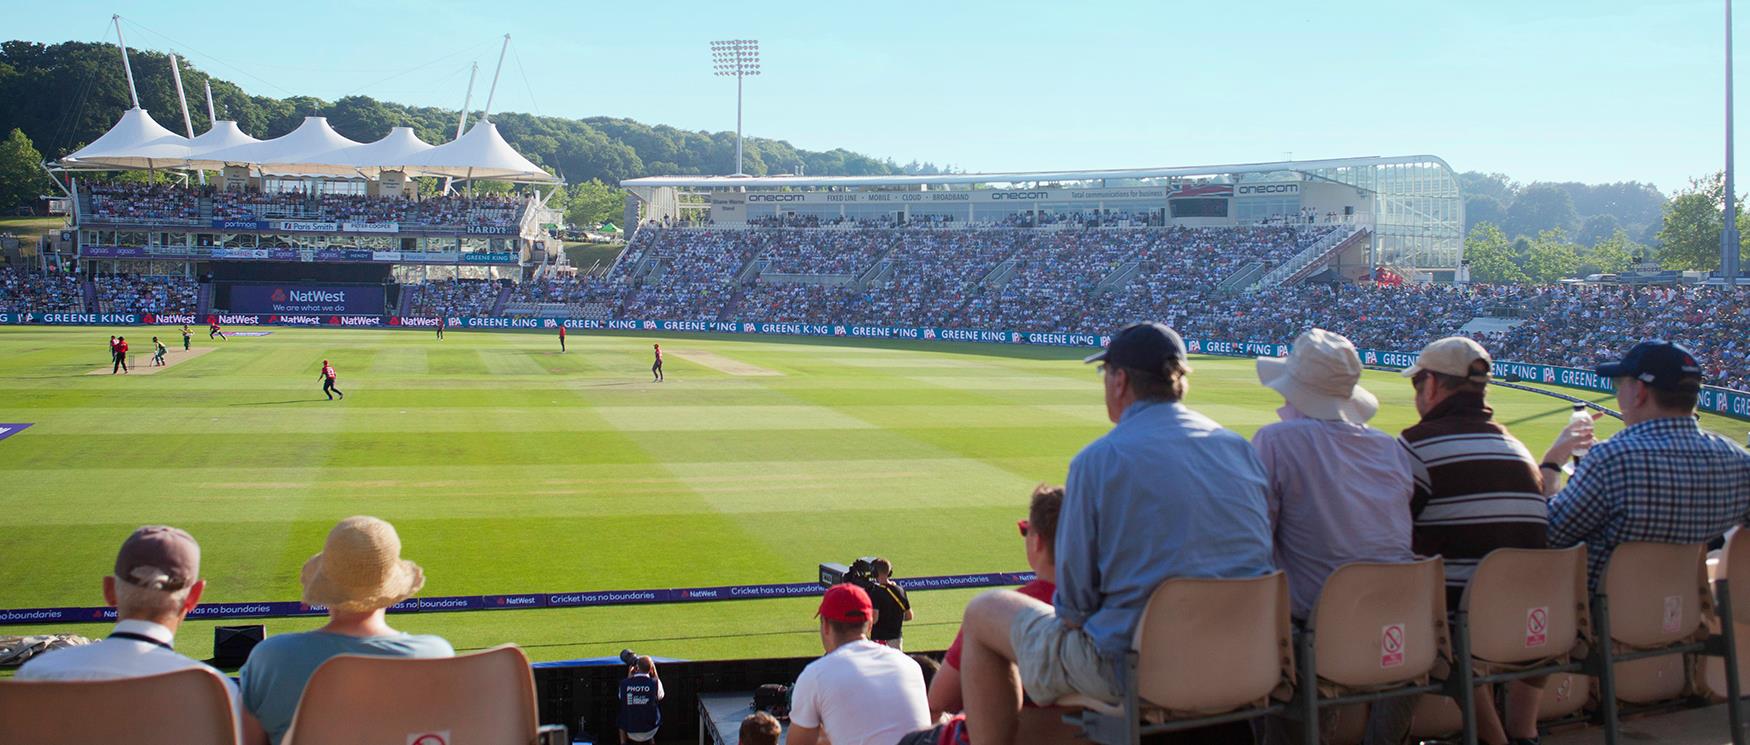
[{"x": 1024, "y": 526}]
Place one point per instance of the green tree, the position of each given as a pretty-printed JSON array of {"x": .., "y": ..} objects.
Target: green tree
[
  {"x": 592, "y": 203},
  {"x": 1551, "y": 257},
  {"x": 1612, "y": 255},
  {"x": 1690, "y": 236},
  {"x": 1537, "y": 208},
  {"x": 21, "y": 175},
  {"x": 1491, "y": 256}
]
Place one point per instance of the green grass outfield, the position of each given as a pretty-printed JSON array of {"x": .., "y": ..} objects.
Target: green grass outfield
[{"x": 510, "y": 468}]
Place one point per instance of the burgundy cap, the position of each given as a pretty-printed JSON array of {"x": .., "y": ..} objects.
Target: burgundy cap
[
  {"x": 846, "y": 604},
  {"x": 159, "y": 557}
]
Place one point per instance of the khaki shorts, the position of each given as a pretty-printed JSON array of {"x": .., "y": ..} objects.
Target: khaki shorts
[{"x": 1056, "y": 660}]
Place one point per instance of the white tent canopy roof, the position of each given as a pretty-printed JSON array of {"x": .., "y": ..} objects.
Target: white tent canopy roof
[
  {"x": 224, "y": 135},
  {"x": 392, "y": 153},
  {"x": 313, "y": 149},
  {"x": 481, "y": 153},
  {"x": 135, "y": 142},
  {"x": 299, "y": 151}
]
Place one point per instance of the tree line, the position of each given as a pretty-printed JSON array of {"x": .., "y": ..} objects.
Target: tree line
[
  {"x": 63, "y": 96},
  {"x": 1683, "y": 232}
]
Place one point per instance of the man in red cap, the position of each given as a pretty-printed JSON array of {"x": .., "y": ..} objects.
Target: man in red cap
[{"x": 859, "y": 692}]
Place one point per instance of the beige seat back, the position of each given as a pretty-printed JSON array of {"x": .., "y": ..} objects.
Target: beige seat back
[
  {"x": 1650, "y": 680},
  {"x": 1564, "y": 695},
  {"x": 1735, "y": 561},
  {"x": 186, "y": 707},
  {"x": 1527, "y": 605},
  {"x": 1657, "y": 593},
  {"x": 1436, "y": 717},
  {"x": 486, "y": 697},
  {"x": 1378, "y": 625},
  {"x": 1207, "y": 646}
]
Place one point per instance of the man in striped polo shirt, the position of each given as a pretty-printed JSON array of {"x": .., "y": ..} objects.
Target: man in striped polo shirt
[{"x": 1477, "y": 489}]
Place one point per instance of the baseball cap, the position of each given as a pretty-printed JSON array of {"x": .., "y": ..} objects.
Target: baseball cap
[
  {"x": 846, "y": 604},
  {"x": 1146, "y": 346},
  {"x": 1455, "y": 356},
  {"x": 1658, "y": 363},
  {"x": 159, "y": 557}
]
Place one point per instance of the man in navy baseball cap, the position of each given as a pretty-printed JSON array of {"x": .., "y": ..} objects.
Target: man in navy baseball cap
[
  {"x": 1145, "y": 346},
  {"x": 1662, "y": 479},
  {"x": 1657, "y": 363}
]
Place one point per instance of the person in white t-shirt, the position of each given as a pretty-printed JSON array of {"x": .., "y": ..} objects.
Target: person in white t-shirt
[{"x": 859, "y": 692}]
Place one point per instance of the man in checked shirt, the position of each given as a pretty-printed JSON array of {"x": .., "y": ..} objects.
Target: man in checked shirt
[{"x": 1662, "y": 478}]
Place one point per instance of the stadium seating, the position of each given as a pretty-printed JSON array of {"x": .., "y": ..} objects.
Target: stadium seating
[
  {"x": 130, "y": 294},
  {"x": 1348, "y": 650},
  {"x": 186, "y": 707},
  {"x": 485, "y": 697},
  {"x": 1650, "y": 611},
  {"x": 126, "y": 203},
  {"x": 55, "y": 292},
  {"x": 1241, "y": 668}
]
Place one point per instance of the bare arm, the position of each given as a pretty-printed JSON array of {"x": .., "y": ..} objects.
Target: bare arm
[
  {"x": 945, "y": 692},
  {"x": 800, "y": 735}
]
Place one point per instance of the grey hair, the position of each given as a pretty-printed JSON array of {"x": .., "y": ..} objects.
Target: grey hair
[{"x": 134, "y": 600}]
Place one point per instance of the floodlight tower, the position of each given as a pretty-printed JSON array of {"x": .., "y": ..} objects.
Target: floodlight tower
[
  {"x": 737, "y": 58},
  {"x": 1729, "y": 237}
]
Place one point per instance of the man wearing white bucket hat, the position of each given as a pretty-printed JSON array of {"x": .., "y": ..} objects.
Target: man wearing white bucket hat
[
  {"x": 1339, "y": 491},
  {"x": 358, "y": 575}
]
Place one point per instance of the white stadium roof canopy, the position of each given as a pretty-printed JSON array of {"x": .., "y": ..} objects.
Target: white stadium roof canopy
[
  {"x": 313, "y": 149},
  {"x": 1017, "y": 177}
]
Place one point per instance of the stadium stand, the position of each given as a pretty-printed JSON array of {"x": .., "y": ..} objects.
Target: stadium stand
[
  {"x": 161, "y": 204},
  {"x": 455, "y": 297},
  {"x": 128, "y": 294},
  {"x": 57, "y": 292}
]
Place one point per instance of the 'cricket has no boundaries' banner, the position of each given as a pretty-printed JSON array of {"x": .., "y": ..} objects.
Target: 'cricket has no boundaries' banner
[
  {"x": 594, "y": 598},
  {"x": 1722, "y": 401}
]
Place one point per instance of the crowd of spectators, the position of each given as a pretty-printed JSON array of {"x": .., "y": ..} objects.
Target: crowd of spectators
[
  {"x": 37, "y": 292},
  {"x": 124, "y": 202},
  {"x": 454, "y": 297},
  {"x": 128, "y": 293},
  {"x": 146, "y": 204}
]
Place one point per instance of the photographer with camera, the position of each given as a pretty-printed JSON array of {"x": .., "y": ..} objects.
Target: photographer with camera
[
  {"x": 892, "y": 607},
  {"x": 640, "y": 715}
]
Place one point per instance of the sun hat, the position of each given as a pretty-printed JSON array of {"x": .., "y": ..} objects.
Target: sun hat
[
  {"x": 360, "y": 568},
  {"x": 1321, "y": 378},
  {"x": 159, "y": 557},
  {"x": 1454, "y": 355},
  {"x": 1658, "y": 363},
  {"x": 846, "y": 604}
]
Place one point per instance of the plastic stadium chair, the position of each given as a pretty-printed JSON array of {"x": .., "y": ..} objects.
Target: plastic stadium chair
[
  {"x": 186, "y": 707},
  {"x": 1377, "y": 632},
  {"x": 1206, "y": 651},
  {"x": 486, "y": 698},
  {"x": 1729, "y": 627},
  {"x": 1525, "y": 613},
  {"x": 1651, "y": 604}
]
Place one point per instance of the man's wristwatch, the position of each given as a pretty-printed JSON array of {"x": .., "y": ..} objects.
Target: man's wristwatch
[{"x": 1551, "y": 466}]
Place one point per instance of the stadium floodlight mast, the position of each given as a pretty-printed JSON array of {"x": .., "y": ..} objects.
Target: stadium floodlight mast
[
  {"x": 736, "y": 58},
  {"x": 1729, "y": 237}
]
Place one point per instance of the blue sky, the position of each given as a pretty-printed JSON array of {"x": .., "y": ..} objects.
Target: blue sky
[{"x": 1545, "y": 90}]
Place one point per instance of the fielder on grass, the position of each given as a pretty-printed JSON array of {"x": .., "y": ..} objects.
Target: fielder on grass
[{"x": 328, "y": 381}]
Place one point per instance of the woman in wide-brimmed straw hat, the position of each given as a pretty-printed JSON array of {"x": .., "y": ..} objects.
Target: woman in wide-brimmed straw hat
[{"x": 356, "y": 578}]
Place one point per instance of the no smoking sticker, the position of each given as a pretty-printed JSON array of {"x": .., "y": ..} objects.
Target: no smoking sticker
[
  {"x": 1537, "y": 627},
  {"x": 429, "y": 738},
  {"x": 1391, "y": 645},
  {"x": 1673, "y": 614}
]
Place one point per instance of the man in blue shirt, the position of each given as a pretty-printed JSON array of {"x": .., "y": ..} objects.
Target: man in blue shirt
[
  {"x": 640, "y": 692},
  {"x": 1661, "y": 479},
  {"x": 1167, "y": 493}
]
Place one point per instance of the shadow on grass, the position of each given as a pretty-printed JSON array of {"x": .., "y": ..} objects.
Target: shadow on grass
[
  {"x": 635, "y": 642},
  {"x": 278, "y": 403}
]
